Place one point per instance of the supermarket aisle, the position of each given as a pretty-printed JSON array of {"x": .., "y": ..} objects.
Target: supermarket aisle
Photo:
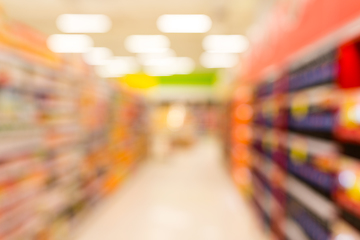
[{"x": 187, "y": 196}]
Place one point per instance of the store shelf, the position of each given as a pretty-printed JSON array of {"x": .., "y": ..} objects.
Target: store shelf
[{"x": 306, "y": 135}]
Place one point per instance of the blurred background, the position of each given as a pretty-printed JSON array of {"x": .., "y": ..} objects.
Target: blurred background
[{"x": 158, "y": 120}]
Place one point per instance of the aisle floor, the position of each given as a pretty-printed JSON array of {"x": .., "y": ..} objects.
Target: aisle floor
[{"x": 185, "y": 196}]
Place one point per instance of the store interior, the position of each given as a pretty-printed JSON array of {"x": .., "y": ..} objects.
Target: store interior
[{"x": 181, "y": 120}]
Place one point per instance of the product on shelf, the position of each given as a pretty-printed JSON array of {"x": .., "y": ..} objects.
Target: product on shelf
[
  {"x": 242, "y": 114},
  {"x": 347, "y": 193},
  {"x": 314, "y": 110},
  {"x": 348, "y": 124},
  {"x": 313, "y": 160},
  {"x": 321, "y": 70}
]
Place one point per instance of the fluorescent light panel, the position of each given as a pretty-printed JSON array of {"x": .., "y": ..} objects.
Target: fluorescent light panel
[
  {"x": 147, "y": 43},
  {"x": 84, "y": 23},
  {"x": 225, "y": 43},
  {"x": 66, "y": 43},
  {"x": 219, "y": 60},
  {"x": 170, "y": 66},
  {"x": 147, "y": 58},
  {"x": 118, "y": 66},
  {"x": 184, "y": 23},
  {"x": 97, "y": 56},
  {"x": 185, "y": 65}
]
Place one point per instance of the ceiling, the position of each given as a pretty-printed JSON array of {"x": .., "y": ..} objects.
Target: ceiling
[{"x": 139, "y": 17}]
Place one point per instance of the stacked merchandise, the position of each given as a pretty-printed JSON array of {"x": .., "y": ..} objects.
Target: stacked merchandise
[
  {"x": 128, "y": 136},
  {"x": 240, "y": 139},
  {"x": 199, "y": 113},
  {"x": 57, "y": 127},
  {"x": 347, "y": 193},
  {"x": 268, "y": 143},
  {"x": 206, "y": 117},
  {"x": 305, "y": 149}
]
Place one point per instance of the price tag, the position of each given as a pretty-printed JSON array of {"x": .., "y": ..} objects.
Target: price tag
[
  {"x": 300, "y": 106},
  {"x": 299, "y": 151}
]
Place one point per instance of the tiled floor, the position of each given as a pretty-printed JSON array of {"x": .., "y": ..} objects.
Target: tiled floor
[{"x": 187, "y": 196}]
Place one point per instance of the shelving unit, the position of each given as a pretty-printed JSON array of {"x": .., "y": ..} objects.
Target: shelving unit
[
  {"x": 305, "y": 155},
  {"x": 67, "y": 137}
]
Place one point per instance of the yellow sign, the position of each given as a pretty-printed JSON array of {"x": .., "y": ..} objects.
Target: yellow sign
[{"x": 140, "y": 81}]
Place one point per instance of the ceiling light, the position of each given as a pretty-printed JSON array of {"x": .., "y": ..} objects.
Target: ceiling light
[
  {"x": 184, "y": 23},
  {"x": 65, "y": 43},
  {"x": 146, "y": 58},
  {"x": 169, "y": 66},
  {"x": 185, "y": 65},
  {"x": 147, "y": 43},
  {"x": 219, "y": 60},
  {"x": 83, "y": 23},
  {"x": 158, "y": 70},
  {"x": 118, "y": 66},
  {"x": 226, "y": 43},
  {"x": 97, "y": 56}
]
